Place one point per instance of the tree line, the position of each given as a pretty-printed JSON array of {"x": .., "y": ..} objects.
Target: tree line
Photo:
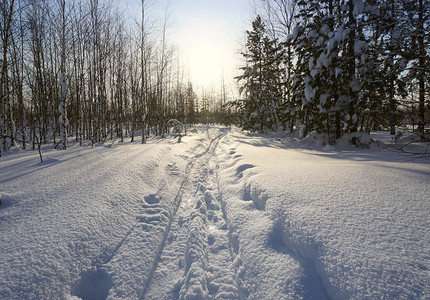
[
  {"x": 336, "y": 67},
  {"x": 81, "y": 69}
]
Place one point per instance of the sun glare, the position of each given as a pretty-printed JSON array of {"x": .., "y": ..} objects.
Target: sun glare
[
  {"x": 207, "y": 34},
  {"x": 206, "y": 54}
]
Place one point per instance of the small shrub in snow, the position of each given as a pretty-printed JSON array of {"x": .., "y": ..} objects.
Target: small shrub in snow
[{"x": 177, "y": 128}]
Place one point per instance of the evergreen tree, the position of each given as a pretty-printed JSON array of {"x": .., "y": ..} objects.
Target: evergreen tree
[
  {"x": 354, "y": 63},
  {"x": 416, "y": 21},
  {"x": 330, "y": 71},
  {"x": 262, "y": 76}
]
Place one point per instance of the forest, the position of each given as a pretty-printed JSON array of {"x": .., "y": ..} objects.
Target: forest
[
  {"x": 83, "y": 69},
  {"x": 337, "y": 67}
]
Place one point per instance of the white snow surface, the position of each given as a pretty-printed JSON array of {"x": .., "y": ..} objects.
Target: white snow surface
[{"x": 221, "y": 215}]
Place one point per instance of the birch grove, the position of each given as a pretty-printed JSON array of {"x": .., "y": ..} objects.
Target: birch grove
[{"x": 83, "y": 70}]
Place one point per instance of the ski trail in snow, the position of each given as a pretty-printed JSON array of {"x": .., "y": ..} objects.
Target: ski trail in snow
[
  {"x": 107, "y": 260},
  {"x": 209, "y": 269},
  {"x": 196, "y": 262},
  {"x": 187, "y": 247}
]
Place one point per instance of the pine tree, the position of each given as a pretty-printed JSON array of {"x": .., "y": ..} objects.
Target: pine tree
[{"x": 259, "y": 111}]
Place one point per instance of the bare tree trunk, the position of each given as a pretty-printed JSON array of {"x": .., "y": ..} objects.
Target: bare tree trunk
[
  {"x": 143, "y": 89},
  {"x": 19, "y": 75},
  {"x": 5, "y": 31},
  {"x": 63, "y": 111}
]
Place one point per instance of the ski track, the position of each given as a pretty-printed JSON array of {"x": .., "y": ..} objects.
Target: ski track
[{"x": 197, "y": 247}]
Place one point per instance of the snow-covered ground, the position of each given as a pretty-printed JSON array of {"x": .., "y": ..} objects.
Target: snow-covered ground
[{"x": 222, "y": 215}]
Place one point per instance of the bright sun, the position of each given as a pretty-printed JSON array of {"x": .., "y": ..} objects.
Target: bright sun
[{"x": 207, "y": 53}]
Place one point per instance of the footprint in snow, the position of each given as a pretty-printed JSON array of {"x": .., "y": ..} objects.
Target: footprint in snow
[
  {"x": 94, "y": 284},
  {"x": 152, "y": 199},
  {"x": 243, "y": 168}
]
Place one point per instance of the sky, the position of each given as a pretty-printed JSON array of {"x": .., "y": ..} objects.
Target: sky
[{"x": 209, "y": 35}]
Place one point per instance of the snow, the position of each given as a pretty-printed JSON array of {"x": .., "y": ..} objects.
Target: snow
[
  {"x": 315, "y": 72},
  {"x": 295, "y": 32},
  {"x": 323, "y": 98},
  {"x": 358, "y": 45},
  {"x": 313, "y": 34},
  {"x": 358, "y": 7},
  {"x": 324, "y": 29},
  {"x": 324, "y": 60},
  {"x": 311, "y": 64},
  {"x": 310, "y": 93},
  {"x": 222, "y": 215}
]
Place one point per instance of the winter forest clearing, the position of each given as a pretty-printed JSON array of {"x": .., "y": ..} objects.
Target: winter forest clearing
[{"x": 126, "y": 173}]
